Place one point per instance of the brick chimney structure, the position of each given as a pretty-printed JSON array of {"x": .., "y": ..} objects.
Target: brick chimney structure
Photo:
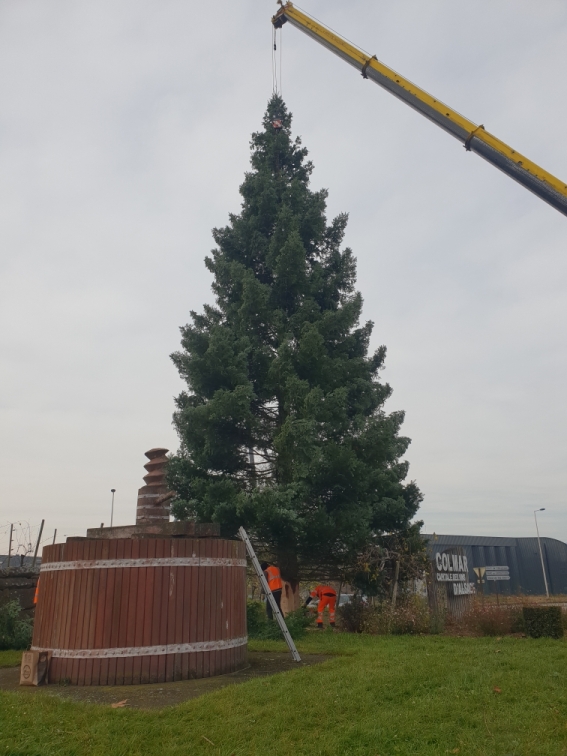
[{"x": 154, "y": 497}]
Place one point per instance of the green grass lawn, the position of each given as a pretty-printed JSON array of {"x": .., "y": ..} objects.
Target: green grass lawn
[
  {"x": 10, "y": 658},
  {"x": 381, "y": 696}
]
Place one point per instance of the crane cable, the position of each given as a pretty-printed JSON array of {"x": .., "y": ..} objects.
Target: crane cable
[
  {"x": 276, "y": 86},
  {"x": 273, "y": 49}
]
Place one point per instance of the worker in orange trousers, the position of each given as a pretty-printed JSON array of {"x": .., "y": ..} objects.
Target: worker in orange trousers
[
  {"x": 274, "y": 579},
  {"x": 327, "y": 596}
]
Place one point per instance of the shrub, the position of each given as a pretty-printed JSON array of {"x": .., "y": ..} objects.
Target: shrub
[
  {"x": 352, "y": 616},
  {"x": 488, "y": 619},
  {"x": 256, "y": 619},
  {"x": 494, "y": 621},
  {"x": 298, "y": 621},
  {"x": 438, "y": 620},
  {"x": 543, "y": 621},
  {"x": 261, "y": 628},
  {"x": 15, "y": 629},
  {"x": 410, "y": 617}
]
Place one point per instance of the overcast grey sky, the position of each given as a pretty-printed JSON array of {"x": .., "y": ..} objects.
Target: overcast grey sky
[{"x": 124, "y": 132}]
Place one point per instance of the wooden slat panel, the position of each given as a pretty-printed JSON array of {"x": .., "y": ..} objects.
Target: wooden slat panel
[
  {"x": 50, "y": 633},
  {"x": 177, "y": 633},
  {"x": 153, "y": 599},
  {"x": 88, "y": 611},
  {"x": 163, "y": 599},
  {"x": 225, "y": 597},
  {"x": 62, "y": 594},
  {"x": 207, "y": 575},
  {"x": 123, "y": 608},
  {"x": 221, "y": 608},
  {"x": 85, "y": 669},
  {"x": 235, "y": 618},
  {"x": 213, "y": 597},
  {"x": 240, "y": 551},
  {"x": 76, "y": 626},
  {"x": 53, "y": 671},
  {"x": 147, "y": 600},
  {"x": 66, "y": 602},
  {"x": 173, "y": 606},
  {"x": 108, "y": 603},
  {"x": 113, "y": 608},
  {"x": 216, "y": 601},
  {"x": 211, "y": 577},
  {"x": 207, "y": 578},
  {"x": 230, "y": 601},
  {"x": 84, "y": 611},
  {"x": 63, "y": 670},
  {"x": 100, "y": 605},
  {"x": 91, "y": 675},
  {"x": 198, "y": 613},
  {"x": 141, "y": 550},
  {"x": 130, "y": 624},
  {"x": 226, "y": 609},
  {"x": 70, "y": 605},
  {"x": 61, "y": 611},
  {"x": 80, "y": 636},
  {"x": 44, "y": 620},
  {"x": 189, "y": 603}
]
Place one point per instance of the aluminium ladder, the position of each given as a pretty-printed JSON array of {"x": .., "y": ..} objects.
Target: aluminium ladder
[{"x": 270, "y": 596}]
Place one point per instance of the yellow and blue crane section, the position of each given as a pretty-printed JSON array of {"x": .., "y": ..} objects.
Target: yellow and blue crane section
[{"x": 474, "y": 137}]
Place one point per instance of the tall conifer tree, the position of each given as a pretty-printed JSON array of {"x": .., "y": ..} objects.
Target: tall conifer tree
[{"x": 283, "y": 427}]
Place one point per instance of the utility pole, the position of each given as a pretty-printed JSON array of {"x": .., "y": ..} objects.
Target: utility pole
[
  {"x": 540, "y": 551},
  {"x": 54, "y": 535},
  {"x": 10, "y": 544},
  {"x": 112, "y": 491},
  {"x": 37, "y": 544}
]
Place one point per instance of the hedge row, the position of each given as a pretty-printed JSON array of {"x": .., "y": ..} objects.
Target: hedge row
[{"x": 543, "y": 621}]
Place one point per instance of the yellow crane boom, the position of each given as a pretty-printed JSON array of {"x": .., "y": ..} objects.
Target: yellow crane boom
[{"x": 474, "y": 138}]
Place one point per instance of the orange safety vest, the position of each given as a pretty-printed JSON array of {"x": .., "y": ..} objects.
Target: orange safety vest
[
  {"x": 323, "y": 590},
  {"x": 274, "y": 578},
  {"x": 36, "y": 594}
]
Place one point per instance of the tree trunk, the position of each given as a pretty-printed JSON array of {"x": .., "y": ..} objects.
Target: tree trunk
[
  {"x": 286, "y": 560},
  {"x": 291, "y": 600},
  {"x": 395, "y": 588}
]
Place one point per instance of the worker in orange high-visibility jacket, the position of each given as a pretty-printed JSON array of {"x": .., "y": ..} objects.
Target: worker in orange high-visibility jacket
[
  {"x": 326, "y": 596},
  {"x": 36, "y": 594},
  {"x": 274, "y": 578}
]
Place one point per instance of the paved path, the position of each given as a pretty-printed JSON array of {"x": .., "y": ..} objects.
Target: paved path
[{"x": 160, "y": 695}]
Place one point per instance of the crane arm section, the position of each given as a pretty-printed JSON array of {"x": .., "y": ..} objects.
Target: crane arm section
[{"x": 474, "y": 138}]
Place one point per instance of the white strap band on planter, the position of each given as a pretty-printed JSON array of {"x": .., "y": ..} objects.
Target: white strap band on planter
[
  {"x": 115, "y": 653},
  {"x": 104, "y": 564}
]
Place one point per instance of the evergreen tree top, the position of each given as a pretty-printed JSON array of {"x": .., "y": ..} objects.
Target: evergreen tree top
[{"x": 283, "y": 427}]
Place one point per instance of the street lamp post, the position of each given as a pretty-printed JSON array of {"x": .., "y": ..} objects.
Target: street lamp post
[
  {"x": 113, "y": 491},
  {"x": 540, "y": 551}
]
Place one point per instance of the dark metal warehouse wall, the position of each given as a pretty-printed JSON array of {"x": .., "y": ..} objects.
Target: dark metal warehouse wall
[{"x": 521, "y": 555}]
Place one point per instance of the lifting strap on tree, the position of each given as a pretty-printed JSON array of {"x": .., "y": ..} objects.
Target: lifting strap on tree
[{"x": 270, "y": 596}]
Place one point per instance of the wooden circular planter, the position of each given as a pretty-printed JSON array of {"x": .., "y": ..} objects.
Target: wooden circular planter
[{"x": 129, "y": 611}]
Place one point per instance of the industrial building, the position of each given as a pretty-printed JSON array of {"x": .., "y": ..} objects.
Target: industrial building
[{"x": 507, "y": 566}]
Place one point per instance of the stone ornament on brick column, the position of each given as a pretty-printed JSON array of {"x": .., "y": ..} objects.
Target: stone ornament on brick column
[{"x": 154, "y": 498}]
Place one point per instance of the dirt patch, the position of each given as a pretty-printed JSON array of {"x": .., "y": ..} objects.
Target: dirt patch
[{"x": 160, "y": 695}]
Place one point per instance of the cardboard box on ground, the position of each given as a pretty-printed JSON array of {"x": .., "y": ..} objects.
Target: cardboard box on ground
[{"x": 35, "y": 665}]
